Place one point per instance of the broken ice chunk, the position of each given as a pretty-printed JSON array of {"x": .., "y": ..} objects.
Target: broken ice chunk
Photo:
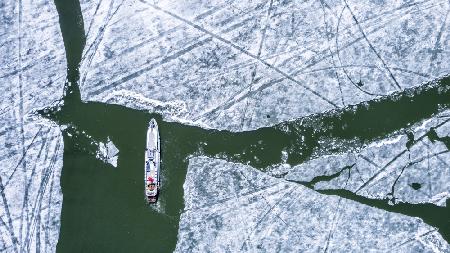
[{"x": 108, "y": 152}]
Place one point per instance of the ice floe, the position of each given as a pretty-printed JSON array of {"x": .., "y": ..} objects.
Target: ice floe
[
  {"x": 232, "y": 207},
  {"x": 32, "y": 74},
  {"x": 233, "y": 63},
  {"x": 108, "y": 152}
]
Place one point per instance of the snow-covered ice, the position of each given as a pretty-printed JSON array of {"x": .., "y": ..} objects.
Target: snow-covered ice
[
  {"x": 108, "y": 152},
  {"x": 32, "y": 74},
  {"x": 233, "y": 62},
  {"x": 234, "y": 208}
]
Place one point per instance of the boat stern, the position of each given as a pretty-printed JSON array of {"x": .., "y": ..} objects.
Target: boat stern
[
  {"x": 152, "y": 199},
  {"x": 151, "y": 192}
]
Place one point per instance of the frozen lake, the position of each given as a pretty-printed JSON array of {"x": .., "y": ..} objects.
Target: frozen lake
[{"x": 285, "y": 126}]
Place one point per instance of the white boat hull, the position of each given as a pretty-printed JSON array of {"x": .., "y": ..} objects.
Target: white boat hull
[{"x": 152, "y": 162}]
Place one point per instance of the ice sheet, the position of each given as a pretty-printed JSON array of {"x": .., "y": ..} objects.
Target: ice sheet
[
  {"x": 232, "y": 64},
  {"x": 234, "y": 208},
  {"x": 32, "y": 73}
]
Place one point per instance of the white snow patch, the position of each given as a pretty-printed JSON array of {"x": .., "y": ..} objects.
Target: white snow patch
[
  {"x": 108, "y": 152},
  {"x": 235, "y": 208},
  {"x": 32, "y": 74}
]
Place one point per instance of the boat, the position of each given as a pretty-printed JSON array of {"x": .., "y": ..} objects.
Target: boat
[{"x": 152, "y": 163}]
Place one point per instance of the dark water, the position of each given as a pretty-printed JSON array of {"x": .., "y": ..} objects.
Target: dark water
[{"x": 104, "y": 208}]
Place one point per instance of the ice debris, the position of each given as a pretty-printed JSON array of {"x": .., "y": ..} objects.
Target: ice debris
[{"x": 108, "y": 152}]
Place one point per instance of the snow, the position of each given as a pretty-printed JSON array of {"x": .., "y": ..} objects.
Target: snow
[
  {"x": 108, "y": 153},
  {"x": 232, "y": 207},
  {"x": 32, "y": 75},
  {"x": 229, "y": 62}
]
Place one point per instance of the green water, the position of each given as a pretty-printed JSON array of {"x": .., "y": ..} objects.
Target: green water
[{"x": 104, "y": 209}]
